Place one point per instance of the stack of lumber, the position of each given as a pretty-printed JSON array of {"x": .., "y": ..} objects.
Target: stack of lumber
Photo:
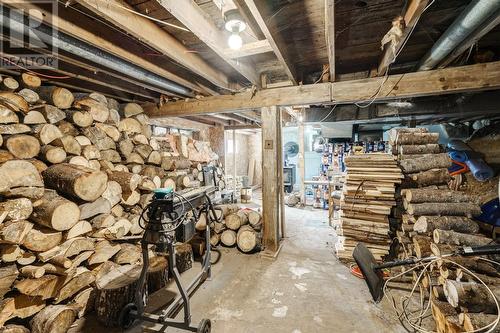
[
  {"x": 76, "y": 170},
  {"x": 235, "y": 226},
  {"x": 436, "y": 220},
  {"x": 366, "y": 202}
]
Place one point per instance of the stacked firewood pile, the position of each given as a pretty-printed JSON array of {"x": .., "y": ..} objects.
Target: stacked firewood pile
[
  {"x": 366, "y": 202},
  {"x": 240, "y": 227},
  {"x": 436, "y": 220},
  {"x": 76, "y": 170}
]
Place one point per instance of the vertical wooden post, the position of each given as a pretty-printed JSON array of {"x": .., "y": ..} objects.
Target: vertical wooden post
[
  {"x": 271, "y": 177},
  {"x": 301, "y": 161},
  {"x": 234, "y": 165}
]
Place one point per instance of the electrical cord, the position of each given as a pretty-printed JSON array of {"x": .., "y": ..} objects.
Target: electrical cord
[{"x": 415, "y": 321}]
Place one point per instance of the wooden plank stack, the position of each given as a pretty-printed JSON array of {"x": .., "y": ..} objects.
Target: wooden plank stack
[
  {"x": 76, "y": 170},
  {"x": 367, "y": 199},
  {"x": 436, "y": 220}
]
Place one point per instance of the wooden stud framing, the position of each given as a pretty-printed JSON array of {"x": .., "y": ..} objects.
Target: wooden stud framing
[{"x": 330, "y": 35}]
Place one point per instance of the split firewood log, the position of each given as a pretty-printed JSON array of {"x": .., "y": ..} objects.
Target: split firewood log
[
  {"x": 236, "y": 220},
  {"x": 128, "y": 181},
  {"x": 32, "y": 271},
  {"x": 128, "y": 254},
  {"x": 57, "y": 96},
  {"x": 54, "y": 319},
  {"x": 91, "y": 209},
  {"x": 214, "y": 239},
  {"x": 69, "y": 144},
  {"x": 81, "y": 279},
  {"x": 14, "y": 232},
  {"x": 52, "y": 154},
  {"x": 27, "y": 306},
  {"x": 8, "y": 274},
  {"x": 445, "y": 316},
  {"x": 82, "y": 119},
  {"x": 15, "y": 209},
  {"x": 130, "y": 109},
  {"x": 7, "y": 309},
  {"x": 55, "y": 212},
  {"x": 76, "y": 181},
  {"x": 67, "y": 128},
  {"x": 131, "y": 198},
  {"x": 69, "y": 248},
  {"x": 475, "y": 321},
  {"x": 103, "y": 221},
  {"x": 11, "y": 129},
  {"x": 9, "y": 84},
  {"x": 41, "y": 239},
  {"x": 29, "y": 96},
  {"x": 254, "y": 219},
  {"x": 52, "y": 113},
  {"x": 26, "y": 258},
  {"x": 14, "y": 102},
  {"x": 110, "y": 130},
  {"x": 228, "y": 209},
  {"x": 104, "y": 251},
  {"x": 11, "y": 328},
  {"x": 45, "y": 287},
  {"x": 84, "y": 301},
  {"x": 34, "y": 118},
  {"x": 7, "y": 116},
  {"x": 99, "y": 111},
  {"x": 129, "y": 125}
]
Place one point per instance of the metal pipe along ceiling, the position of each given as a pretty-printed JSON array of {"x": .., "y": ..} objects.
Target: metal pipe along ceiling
[
  {"x": 477, "y": 12},
  {"x": 62, "y": 41}
]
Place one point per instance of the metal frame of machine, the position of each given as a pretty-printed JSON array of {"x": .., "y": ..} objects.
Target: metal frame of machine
[{"x": 167, "y": 208}]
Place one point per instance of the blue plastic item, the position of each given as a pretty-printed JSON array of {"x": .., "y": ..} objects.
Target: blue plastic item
[
  {"x": 479, "y": 169},
  {"x": 490, "y": 213}
]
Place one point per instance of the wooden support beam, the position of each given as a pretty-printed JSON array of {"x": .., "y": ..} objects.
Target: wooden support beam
[
  {"x": 96, "y": 41},
  {"x": 248, "y": 49},
  {"x": 241, "y": 127},
  {"x": 275, "y": 41},
  {"x": 193, "y": 18},
  {"x": 271, "y": 168},
  {"x": 151, "y": 34},
  {"x": 330, "y": 35},
  {"x": 436, "y": 82},
  {"x": 413, "y": 12},
  {"x": 301, "y": 160}
]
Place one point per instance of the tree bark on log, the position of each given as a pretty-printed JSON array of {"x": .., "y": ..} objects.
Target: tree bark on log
[
  {"x": 418, "y": 195},
  {"x": 76, "y": 181},
  {"x": 431, "y": 148},
  {"x": 471, "y": 295},
  {"x": 58, "y": 96},
  {"x": 452, "y": 237},
  {"x": 184, "y": 257},
  {"x": 157, "y": 274},
  {"x": 430, "y": 177},
  {"x": 115, "y": 290},
  {"x": 453, "y": 209},
  {"x": 417, "y": 138},
  {"x": 445, "y": 316},
  {"x": 455, "y": 223},
  {"x": 54, "y": 319},
  {"x": 475, "y": 321}
]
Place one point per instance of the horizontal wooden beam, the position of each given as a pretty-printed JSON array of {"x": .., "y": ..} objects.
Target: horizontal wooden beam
[
  {"x": 241, "y": 127},
  {"x": 149, "y": 33},
  {"x": 249, "y": 49},
  {"x": 436, "y": 82}
]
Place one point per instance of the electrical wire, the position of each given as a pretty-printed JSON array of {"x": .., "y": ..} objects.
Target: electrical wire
[{"x": 402, "y": 312}]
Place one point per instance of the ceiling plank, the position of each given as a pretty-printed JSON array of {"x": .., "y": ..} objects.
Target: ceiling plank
[
  {"x": 151, "y": 34},
  {"x": 249, "y": 49},
  {"x": 470, "y": 78},
  {"x": 330, "y": 35},
  {"x": 276, "y": 44},
  {"x": 96, "y": 41},
  {"x": 193, "y": 18},
  {"x": 413, "y": 12}
]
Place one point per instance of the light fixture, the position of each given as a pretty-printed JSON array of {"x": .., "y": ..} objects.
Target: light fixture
[{"x": 235, "y": 25}]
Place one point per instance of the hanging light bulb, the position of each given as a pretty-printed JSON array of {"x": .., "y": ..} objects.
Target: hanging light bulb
[
  {"x": 234, "y": 41},
  {"x": 235, "y": 25}
]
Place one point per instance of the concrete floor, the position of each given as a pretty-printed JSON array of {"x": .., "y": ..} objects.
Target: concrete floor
[{"x": 306, "y": 289}]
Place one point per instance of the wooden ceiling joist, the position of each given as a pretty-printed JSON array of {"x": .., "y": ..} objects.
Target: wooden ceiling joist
[
  {"x": 274, "y": 40},
  {"x": 441, "y": 81},
  {"x": 76, "y": 31},
  {"x": 193, "y": 18},
  {"x": 152, "y": 35},
  {"x": 330, "y": 35},
  {"x": 248, "y": 49},
  {"x": 414, "y": 10}
]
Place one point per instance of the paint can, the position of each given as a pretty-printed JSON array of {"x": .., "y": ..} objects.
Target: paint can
[{"x": 246, "y": 194}]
